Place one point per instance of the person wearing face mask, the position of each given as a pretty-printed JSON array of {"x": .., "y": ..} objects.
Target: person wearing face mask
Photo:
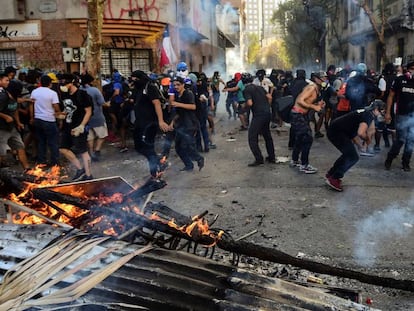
[
  {"x": 78, "y": 109},
  {"x": 309, "y": 99},
  {"x": 402, "y": 92},
  {"x": 149, "y": 117}
]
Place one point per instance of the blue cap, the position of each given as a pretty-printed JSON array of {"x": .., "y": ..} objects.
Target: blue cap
[{"x": 181, "y": 66}]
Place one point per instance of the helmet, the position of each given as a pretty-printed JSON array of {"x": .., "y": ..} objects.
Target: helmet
[
  {"x": 181, "y": 66},
  {"x": 246, "y": 78},
  {"x": 192, "y": 77},
  {"x": 320, "y": 75}
]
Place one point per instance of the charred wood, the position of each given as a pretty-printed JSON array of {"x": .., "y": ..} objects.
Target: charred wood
[
  {"x": 274, "y": 255},
  {"x": 151, "y": 185}
]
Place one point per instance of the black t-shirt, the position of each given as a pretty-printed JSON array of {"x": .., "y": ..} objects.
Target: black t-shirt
[
  {"x": 144, "y": 108},
  {"x": 258, "y": 96},
  {"x": 7, "y": 106},
  {"x": 186, "y": 118},
  {"x": 404, "y": 91},
  {"x": 74, "y": 105},
  {"x": 349, "y": 123}
]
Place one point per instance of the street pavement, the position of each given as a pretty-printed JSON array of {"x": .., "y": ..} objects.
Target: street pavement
[{"x": 367, "y": 227}]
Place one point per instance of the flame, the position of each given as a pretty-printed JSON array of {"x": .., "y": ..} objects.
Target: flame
[{"x": 68, "y": 213}]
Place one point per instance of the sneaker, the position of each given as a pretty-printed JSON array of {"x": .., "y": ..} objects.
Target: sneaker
[
  {"x": 308, "y": 169},
  {"x": 366, "y": 153},
  {"x": 270, "y": 160},
  {"x": 334, "y": 183},
  {"x": 273, "y": 125},
  {"x": 85, "y": 178},
  {"x": 377, "y": 149},
  {"x": 212, "y": 146},
  {"x": 387, "y": 164},
  {"x": 293, "y": 163},
  {"x": 123, "y": 149},
  {"x": 319, "y": 135},
  {"x": 255, "y": 163},
  {"x": 78, "y": 175}
]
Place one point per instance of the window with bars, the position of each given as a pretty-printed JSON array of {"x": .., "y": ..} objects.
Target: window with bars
[
  {"x": 7, "y": 58},
  {"x": 125, "y": 61}
]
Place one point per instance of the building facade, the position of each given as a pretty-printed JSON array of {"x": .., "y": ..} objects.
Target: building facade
[
  {"x": 52, "y": 34},
  {"x": 351, "y": 37}
]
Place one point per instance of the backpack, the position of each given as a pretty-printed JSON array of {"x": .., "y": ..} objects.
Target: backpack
[
  {"x": 284, "y": 106},
  {"x": 107, "y": 91}
]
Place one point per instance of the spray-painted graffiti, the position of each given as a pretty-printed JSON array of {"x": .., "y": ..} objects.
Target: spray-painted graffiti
[
  {"x": 118, "y": 42},
  {"x": 6, "y": 33},
  {"x": 144, "y": 10}
]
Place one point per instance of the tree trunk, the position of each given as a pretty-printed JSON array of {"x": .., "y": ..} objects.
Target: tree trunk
[{"x": 94, "y": 40}]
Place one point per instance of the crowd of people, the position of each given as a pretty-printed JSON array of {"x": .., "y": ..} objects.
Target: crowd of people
[{"x": 64, "y": 114}]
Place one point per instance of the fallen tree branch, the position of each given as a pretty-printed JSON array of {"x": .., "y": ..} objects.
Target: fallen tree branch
[{"x": 274, "y": 255}]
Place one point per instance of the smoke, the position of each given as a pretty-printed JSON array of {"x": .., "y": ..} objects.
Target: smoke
[{"x": 380, "y": 230}]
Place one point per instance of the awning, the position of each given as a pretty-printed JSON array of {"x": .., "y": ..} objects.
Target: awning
[{"x": 188, "y": 34}]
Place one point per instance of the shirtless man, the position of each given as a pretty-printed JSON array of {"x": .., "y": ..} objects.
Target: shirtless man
[{"x": 308, "y": 99}]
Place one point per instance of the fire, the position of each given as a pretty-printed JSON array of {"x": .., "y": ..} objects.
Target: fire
[{"x": 98, "y": 212}]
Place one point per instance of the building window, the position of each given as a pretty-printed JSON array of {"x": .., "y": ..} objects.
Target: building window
[
  {"x": 400, "y": 47},
  {"x": 7, "y": 58},
  {"x": 125, "y": 61}
]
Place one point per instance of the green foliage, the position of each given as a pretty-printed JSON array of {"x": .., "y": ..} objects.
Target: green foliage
[
  {"x": 302, "y": 30},
  {"x": 253, "y": 48}
]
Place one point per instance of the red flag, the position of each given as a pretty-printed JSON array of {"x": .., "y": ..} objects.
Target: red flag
[{"x": 167, "y": 52}]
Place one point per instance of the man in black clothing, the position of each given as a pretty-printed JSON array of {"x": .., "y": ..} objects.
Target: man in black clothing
[
  {"x": 402, "y": 91},
  {"x": 148, "y": 118},
  {"x": 341, "y": 133},
  {"x": 258, "y": 101}
]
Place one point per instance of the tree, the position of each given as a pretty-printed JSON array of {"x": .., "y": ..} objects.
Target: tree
[
  {"x": 303, "y": 30},
  {"x": 274, "y": 55},
  {"x": 253, "y": 48},
  {"x": 94, "y": 42},
  {"x": 378, "y": 20}
]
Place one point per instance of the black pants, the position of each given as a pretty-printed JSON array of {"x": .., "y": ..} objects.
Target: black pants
[
  {"x": 260, "y": 126},
  {"x": 303, "y": 137},
  {"x": 348, "y": 157},
  {"x": 144, "y": 141}
]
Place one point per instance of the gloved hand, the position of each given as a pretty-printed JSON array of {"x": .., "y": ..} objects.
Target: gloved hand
[{"x": 78, "y": 130}]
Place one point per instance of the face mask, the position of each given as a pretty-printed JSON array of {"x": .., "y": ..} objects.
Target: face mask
[
  {"x": 324, "y": 85},
  {"x": 64, "y": 89}
]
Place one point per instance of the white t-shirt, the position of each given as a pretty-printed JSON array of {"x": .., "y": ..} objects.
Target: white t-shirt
[
  {"x": 43, "y": 106},
  {"x": 265, "y": 83}
]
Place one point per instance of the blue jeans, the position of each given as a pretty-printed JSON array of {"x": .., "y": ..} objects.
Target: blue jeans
[
  {"x": 185, "y": 146},
  {"x": 47, "y": 134}
]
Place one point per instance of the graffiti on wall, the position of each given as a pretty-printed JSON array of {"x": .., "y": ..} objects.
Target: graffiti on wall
[
  {"x": 117, "y": 42},
  {"x": 144, "y": 10}
]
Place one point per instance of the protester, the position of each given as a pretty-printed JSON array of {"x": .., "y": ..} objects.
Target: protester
[
  {"x": 309, "y": 99},
  {"x": 149, "y": 117},
  {"x": 186, "y": 125},
  {"x": 215, "y": 82},
  {"x": 43, "y": 114},
  {"x": 402, "y": 91},
  {"x": 10, "y": 125},
  {"x": 341, "y": 133},
  {"x": 98, "y": 129},
  {"x": 78, "y": 110},
  {"x": 258, "y": 101}
]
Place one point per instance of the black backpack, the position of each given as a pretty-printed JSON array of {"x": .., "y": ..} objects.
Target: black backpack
[{"x": 284, "y": 106}]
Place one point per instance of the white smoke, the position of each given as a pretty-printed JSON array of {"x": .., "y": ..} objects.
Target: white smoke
[{"x": 381, "y": 230}]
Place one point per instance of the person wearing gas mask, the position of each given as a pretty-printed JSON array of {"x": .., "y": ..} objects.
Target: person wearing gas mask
[
  {"x": 78, "y": 109},
  {"x": 309, "y": 99},
  {"x": 342, "y": 132},
  {"x": 148, "y": 118},
  {"x": 402, "y": 92}
]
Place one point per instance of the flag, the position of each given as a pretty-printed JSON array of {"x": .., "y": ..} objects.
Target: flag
[{"x": 167, "y": 52}]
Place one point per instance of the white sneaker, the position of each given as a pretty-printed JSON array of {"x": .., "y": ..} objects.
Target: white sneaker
[
  {"x": 308, "y": 169},
  {"x": 366, "y": 154}
]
